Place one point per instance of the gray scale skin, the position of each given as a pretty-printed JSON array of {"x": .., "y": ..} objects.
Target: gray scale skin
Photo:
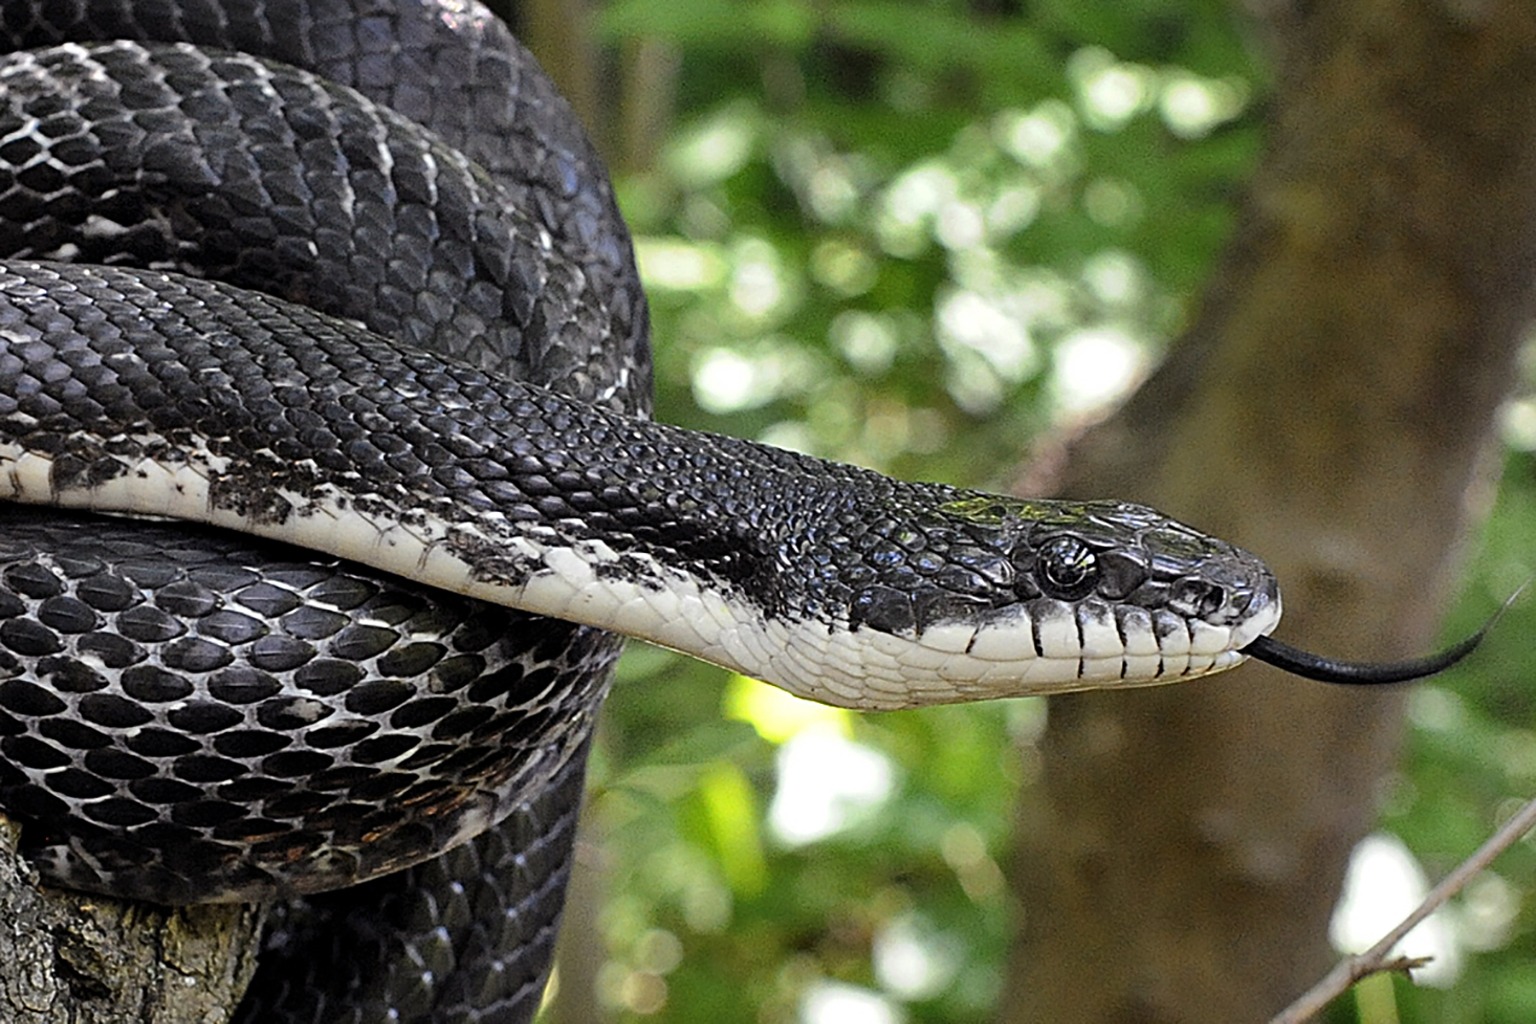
[
  {"x": 484, "y": 914},
  {"x": 461, "y": 74},
  {"x": 491, "y": 694},
  {"x": 322, "y": 198}
]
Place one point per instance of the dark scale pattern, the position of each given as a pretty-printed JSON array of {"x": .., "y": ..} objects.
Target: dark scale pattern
[
  {"x": 190, "y": 716},
  {"x": 454, "y": 68},
  {"x": 480, "y": 461},
  {"x": 337, "y": 203},
  {"x": 492, "y": 969},
  {"x": 204, "y": 775}
]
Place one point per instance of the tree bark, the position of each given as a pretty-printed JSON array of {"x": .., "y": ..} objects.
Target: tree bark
[
  {"x": 88, "y": 960},
  {"x": 1332, "y": 408}
]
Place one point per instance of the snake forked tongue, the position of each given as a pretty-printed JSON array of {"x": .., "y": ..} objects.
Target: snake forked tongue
[
  {"x": 1357, "y": 673},
  {"x": 1361, "y": 673}
]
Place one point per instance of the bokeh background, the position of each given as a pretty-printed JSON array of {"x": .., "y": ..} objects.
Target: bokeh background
[{"x": 940, "y": 238}]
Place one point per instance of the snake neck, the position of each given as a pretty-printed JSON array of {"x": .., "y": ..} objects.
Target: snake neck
[{"x": 831, "y": 581}]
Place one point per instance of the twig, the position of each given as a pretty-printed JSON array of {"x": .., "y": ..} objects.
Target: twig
[{"x": 1374, "y": 960}]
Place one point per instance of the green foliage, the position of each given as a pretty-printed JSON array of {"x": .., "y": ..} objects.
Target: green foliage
[
  {"x": 890, "y": 233},
  {"x": 1470, "y": 761},
  {"x": 893, "y": 233}
]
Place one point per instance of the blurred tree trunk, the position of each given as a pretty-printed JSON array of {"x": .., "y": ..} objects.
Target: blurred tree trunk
[
  {"x": 1331, "y": 408},
  {"x": 559, "y": 33},
  {"x": 626, "y": 103}
]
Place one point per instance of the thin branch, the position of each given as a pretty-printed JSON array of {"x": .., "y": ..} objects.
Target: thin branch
[{"x": 1375, "y": 960}]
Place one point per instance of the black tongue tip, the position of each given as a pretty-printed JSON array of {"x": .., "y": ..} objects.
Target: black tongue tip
[
  {"x": 1358, "y": 673},
  {"x": 1364, "y": 673}
]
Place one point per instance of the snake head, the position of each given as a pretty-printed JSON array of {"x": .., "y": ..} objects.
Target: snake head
[{"x": 989, "y": 597}]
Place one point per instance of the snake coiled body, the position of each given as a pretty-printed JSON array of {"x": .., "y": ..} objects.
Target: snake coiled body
[
  {"x": 401, "y": 396},
  {"x": 504, "y": 165}
]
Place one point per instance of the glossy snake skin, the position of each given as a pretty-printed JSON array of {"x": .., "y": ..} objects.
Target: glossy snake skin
[
  {"x": 381, "y": 355},
  {"x": 466, "y": 936}
]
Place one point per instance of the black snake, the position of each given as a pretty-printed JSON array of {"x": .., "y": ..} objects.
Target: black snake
[{"x": 402, "y": 401}]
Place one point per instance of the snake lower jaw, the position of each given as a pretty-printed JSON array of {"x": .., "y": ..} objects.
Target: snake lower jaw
[{"x": 1050, "y": 649}]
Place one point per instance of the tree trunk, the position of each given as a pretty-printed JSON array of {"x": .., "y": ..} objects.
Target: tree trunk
[
  {"x": 89, "y": 960},
  {"x": 1331, "y": 409}
]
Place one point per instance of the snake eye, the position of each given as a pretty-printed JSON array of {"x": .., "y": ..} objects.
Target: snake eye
[{"x": 1066, "y": 568}]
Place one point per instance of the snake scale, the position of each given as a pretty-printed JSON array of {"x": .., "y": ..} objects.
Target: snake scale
[{"x": 328, "y": 485}]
